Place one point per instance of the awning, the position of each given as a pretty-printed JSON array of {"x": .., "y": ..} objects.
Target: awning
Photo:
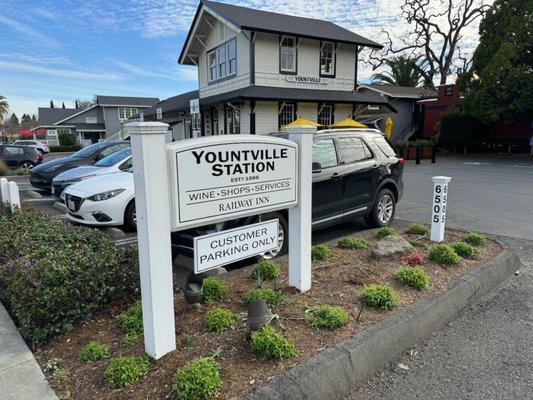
[
  {"x": 348, "y": 123},
  {"x": 302, "y": 122},
  {"x": 270, "y": 93}
]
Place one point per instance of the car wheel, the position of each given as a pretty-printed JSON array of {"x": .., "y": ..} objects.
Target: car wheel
[
  {"x": 382, "y": 213},
  {"x": 283, "y": 236},
  {"x": 130, "y": 216}
]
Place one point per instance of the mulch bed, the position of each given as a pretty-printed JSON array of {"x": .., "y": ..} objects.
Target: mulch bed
[{"x": 336, "y": 282}]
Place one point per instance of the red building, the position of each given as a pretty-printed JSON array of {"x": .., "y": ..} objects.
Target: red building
[{"x": 430, "y": 111}]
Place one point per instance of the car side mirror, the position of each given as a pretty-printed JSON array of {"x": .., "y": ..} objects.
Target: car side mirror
[{"x": 317, "y": 167}]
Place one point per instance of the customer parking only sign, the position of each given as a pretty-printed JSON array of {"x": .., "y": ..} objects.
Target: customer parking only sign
[{"x": 227, "y": 177}]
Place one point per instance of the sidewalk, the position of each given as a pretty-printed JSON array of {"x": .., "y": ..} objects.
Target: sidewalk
[{"x": 20, "y": 375}]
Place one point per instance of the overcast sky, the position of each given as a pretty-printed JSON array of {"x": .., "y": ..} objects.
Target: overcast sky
[{"x": 68, "y": 49}]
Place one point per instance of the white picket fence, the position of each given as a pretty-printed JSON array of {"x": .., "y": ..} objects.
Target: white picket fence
[{"x": 10, "y": 194}]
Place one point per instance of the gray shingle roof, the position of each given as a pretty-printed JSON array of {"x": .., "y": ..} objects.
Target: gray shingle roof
[
  {"x": 298, "y": 94},
  {"x": 402, "y": 91},
  {"x": 126, "y": 101},
  {"x": 177, "y": 103},
  {"x": 271, "y": 22},
  {"x": 49, "y": 116}
]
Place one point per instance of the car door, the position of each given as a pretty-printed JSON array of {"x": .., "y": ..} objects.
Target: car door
[
  {"x": 12, "y": 155},
  {"x": 327, "y": 181},
  {"x": 361, "y": 174}
]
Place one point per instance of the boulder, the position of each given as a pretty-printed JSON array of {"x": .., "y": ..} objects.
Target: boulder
[{"x": 391, "y": 245}]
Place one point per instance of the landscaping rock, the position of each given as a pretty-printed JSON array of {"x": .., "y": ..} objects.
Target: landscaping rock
[{"x": 391, "y": 245}]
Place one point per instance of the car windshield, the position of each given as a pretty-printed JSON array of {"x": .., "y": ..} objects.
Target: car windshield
[
  {"x": 114, "y": 158},
  {"x": 89, "y": 150}
]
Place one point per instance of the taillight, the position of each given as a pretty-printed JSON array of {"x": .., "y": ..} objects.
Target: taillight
[{"x": 401, "y": 161}]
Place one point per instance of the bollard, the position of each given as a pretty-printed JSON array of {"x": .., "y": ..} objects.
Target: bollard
[
  {"x": 433, "y": 155},
  {"x": 14, "y": 197},
  {"x": 4, "y": 190},
  {"x": 418, "y": 154},
  {"x": 440, "y": 199}
]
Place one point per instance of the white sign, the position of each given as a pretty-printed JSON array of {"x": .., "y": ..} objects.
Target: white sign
[
  {"x": 51, "y": 132},
  {"x": 159, "y": 113},
  {"x": 222, "y": 248},
  {"x": 440, "y": 200},
  {"x": 220, "y": 178},
  {"x": 314, "y": 80},
  {"x": 194, "y": 106}
]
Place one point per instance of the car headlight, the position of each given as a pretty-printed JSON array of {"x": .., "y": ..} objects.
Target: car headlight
[
  {"x": 53, "y": 168},
  {"x": 106, "y": 195}
]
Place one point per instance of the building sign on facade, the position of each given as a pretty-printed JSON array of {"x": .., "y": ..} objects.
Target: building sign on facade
[
  {"x": 159, "y": 113},
  {"x": 226, "y": 177},
  {"x": 315, "y": 80},
  {"x": 226, "y": 247}
]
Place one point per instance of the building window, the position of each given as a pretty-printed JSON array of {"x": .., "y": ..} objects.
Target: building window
[
  {"x": 287, "y": 54},
  {"x": 90, "y": 120},
  {"x": 212, "y": 60},
  {"x": 215, "y": 121},
  {"x": 448, "y": 90},
  {"x": 287, "y": 114},
  {"x": 325, "y": 114},
  {"x": 327, "y": 59},
  {"x": 126, "y": 113},
  {"x": 233, "y": 120},
  {"x": 222, "y": 61}
]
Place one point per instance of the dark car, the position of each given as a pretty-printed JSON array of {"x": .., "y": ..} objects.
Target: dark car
[
  {"x": 41, "y": 176},
  {"x": 19, "y": 156},
  {"x": 356, "y": 174}
]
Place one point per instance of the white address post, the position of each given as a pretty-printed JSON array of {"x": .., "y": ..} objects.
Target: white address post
[
  {"x": 440, "y": 199},
  {"x": 4, "y": 190},
  {"x": 153, "y": 229},
  {"x": 14, "y": 196},
  {"x": 300, "y": 216}
]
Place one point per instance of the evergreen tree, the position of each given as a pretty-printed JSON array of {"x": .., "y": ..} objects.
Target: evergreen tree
[
  {"x": 25, "y": 121},
  {"x": 51, "y": 103},
  {"x": 63, "y": 105},
  {"x": 499, "y": 87},
  {"x": 13, "y": 124}
]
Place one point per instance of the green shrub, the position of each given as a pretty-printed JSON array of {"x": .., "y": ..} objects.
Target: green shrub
[
  {"x": 272, "y": 297},
  {"x": 54, "y": 274},
  {"x": 320, "y": 252},
  {"x": 417, "y": 229},
  {"x": 414, "y": 277},
  {"x": 463, "y": 249},
  {"x": 443, "y": 254},
  {"x": 123, "y": 371},
  {"x": 93, "y": 351},
  {"x": 218, "y": 319},
  {"x": 198, "y": 379},
  {"x": 214, "y": 289},
  {"x": 269, "y": 343},
  {"x": 327, "y": 317},
  {"x": 67, "y": 139},
  {"x": 379, "y": 296},
  {"x": 353, "y": 243},
  {"x": 131, "y": 339},
  {"x": 131, "y": 320},
  {"x": 4, "y": 170},
  {"x": 476, "y": 239},
  {"x": 418, "y": 244},
  {"x": 385, "y": 231},
  {"x": 61, "y": 149},
  {"x": 266, "y": 269}
]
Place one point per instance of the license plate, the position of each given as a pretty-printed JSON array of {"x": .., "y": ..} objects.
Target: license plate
[{"x": 71, "y": 206}]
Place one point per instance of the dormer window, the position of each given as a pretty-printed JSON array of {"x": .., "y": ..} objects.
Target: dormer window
[
  {"x": 287, "y": 55},
  {"x": 327, "y": 59}
]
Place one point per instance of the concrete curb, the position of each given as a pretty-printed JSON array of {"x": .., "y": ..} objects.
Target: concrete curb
[
  {"x": 334, "y": 372},
  {"x": 20, "y": 375},
  {"x": 33, "y": 194}
]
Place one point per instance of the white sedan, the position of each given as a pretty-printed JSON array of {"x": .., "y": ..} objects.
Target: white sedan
[{"x": 105, "y": 200}]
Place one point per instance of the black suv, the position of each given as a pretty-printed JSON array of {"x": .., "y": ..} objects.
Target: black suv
[
  {"x": 19, "y": 156},
  {"x": 356, "y": 174},
  {"x": 41, "y": 176}
]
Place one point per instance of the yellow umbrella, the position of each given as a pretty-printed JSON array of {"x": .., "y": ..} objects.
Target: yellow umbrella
[
  {"x": 388, "y": 127},
  {"x": 302, "y": 122},
  {"x": 348, "y": 123}
]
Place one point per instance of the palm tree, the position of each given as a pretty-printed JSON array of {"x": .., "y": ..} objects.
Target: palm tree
[
  {"x": 404, "y": 71},
  {"x": 3, "y": 107}
]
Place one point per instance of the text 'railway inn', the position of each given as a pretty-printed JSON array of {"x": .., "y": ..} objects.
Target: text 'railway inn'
[{"x": 259, "y": 71}]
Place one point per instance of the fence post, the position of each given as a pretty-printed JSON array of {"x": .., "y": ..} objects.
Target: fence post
[
  {"x": 418, "y": 154},
  {"x": 4, "y": 190},
  {"x": 300, "y": 216},
  {"x": 152, "y": 206},
  {"x": 14, "y": 197}
]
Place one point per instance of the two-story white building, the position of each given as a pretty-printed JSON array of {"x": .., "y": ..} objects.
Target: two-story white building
[{"x": 259, "y": 70}]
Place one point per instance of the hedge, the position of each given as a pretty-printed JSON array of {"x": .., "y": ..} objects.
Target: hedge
[
  {"x": 60, "y": 149},
  {"x": 53, "y": 274}
]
